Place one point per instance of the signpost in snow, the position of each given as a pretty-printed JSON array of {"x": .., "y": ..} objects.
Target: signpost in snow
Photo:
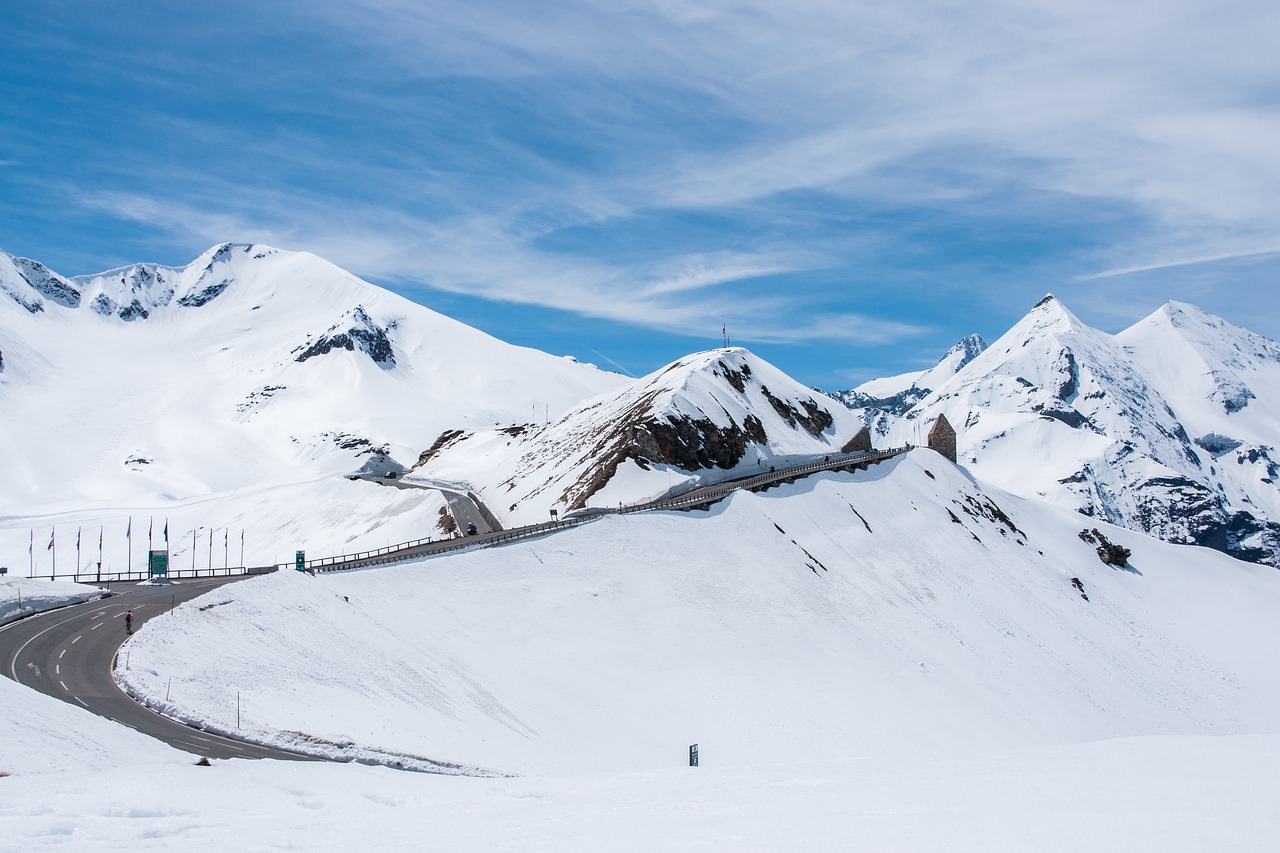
[
  {"x": 158, "y": 564},
  {"x": 300, "y": 560},
  {"x": 693, "y": 755}
]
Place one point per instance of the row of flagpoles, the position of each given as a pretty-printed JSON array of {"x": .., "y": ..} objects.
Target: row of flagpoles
[{"x": 52, "y": 547}]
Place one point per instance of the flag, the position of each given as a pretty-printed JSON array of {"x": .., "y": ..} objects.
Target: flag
[
  {"x": 128, "y": 531},
  {"x": 166, "y": 533},
  {"x": 31, "y": 545},
  {"x": 77, "y": 538},
  {"x": 50, "y": 548}
]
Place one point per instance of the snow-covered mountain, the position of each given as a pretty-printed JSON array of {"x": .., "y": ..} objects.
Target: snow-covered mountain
[
  {"x": 895, "y": 395},
  {"x": 250, "y": 372},
  {"x": 1167, "y": 427},
  {"x": 701, "y": 418}
]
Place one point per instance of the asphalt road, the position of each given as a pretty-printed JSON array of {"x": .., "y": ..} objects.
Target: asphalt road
[
  {"x": 68, "y": 654},
  {"x": 462, "y": 507}
]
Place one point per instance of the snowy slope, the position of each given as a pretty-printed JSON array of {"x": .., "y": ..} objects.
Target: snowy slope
[
  {"x": 1150, "y": 429},
  {"x": 702, "y": 418},
  {"x": 898, "y": 611},
  {"x": 895, "y": 660},
  {"x": 250, "y": 379},
  {"x": 1221, "y": 380}
]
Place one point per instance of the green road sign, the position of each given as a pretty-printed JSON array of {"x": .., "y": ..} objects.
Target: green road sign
[
  {"x": 158, "y": 564},
  {"x": 693, "y": 755},
  {"x": 300, "y": 561}
]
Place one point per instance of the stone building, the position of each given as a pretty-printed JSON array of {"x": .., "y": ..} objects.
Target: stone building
[{"x": 942, "y": 437}]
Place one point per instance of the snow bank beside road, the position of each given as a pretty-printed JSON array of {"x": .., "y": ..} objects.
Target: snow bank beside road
[{"x": 23, "y": 596}]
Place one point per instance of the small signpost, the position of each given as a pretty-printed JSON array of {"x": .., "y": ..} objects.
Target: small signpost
[
  {"x": 157, "y": 564},
  {"x": 555, "y": 516},
  {"x": 693, "y": 755},
  {"x": 300, "y": 560}
]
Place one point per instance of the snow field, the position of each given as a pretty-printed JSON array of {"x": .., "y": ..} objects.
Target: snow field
[
  {"x": 1168, "y": 794},
  {"x": 774, "y": 626}
]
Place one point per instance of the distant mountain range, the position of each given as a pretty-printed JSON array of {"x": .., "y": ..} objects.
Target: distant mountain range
[
  {"x": 243, "y": 389},
  {"x": 236, "y": 392},
  {"x": 1168, "y": 427}
]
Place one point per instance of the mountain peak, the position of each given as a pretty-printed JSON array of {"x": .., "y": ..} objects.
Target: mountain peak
[
  {"x": 964, "y": 351},
  {"x": 1050, "y": 315}
]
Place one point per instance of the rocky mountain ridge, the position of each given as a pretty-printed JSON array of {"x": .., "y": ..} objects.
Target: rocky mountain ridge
[
  {"x": 1166, "y": 427},
  {"x": 698, "y": 419}
]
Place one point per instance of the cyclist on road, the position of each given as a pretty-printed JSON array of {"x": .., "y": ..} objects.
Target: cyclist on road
[{"x": 128, "y": 621}]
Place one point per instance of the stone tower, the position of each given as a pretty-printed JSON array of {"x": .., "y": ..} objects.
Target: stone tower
[{"x": 942, "y": 438}]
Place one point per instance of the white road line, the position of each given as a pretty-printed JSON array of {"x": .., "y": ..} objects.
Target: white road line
[
  {"x": 81, "y": 701},
  {"x": 13, "y": 662},
  {"x": 60, "y": 654},
  {"x": 57, "y": 669},
  {"x": 76, "y": 640},
  {"x": 64, "y": 685},
  {"x": 96, "y": 627}
]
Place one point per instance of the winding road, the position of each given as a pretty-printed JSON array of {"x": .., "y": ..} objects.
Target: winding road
[{"x": 68, "y": 654}]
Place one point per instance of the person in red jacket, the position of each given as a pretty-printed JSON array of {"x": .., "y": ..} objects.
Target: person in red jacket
[{"x": 128, "y": 621}]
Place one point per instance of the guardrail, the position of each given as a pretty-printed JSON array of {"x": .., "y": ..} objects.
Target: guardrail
[
  {"x": 699, "y": 496},
  {"x": 171, "y": 574}
]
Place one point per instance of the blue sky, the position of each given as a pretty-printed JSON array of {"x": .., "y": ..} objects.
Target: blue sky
[{"x": 849, "y": 186}]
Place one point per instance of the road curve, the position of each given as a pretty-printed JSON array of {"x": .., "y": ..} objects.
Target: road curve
[{"x": 68, "y": 654}]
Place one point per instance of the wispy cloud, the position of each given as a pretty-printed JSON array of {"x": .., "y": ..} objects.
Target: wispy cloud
[
  {"x": 1172, "y": 263},
  {"x": 478, "y": 257},
  {"x": 656, "y": 162}
]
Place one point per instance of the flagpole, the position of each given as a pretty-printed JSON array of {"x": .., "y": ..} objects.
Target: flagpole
[
  {"x": 242, "y": 547},
  {"x": 210, "y": 548},
  {"x": 193, "y": 549},
  {"x": 226, "y": 547},
  {"x": 99, "y": 553},
  {"x": 78, "y": 531},
  {"x": 31, "y": 555},
  {"x": 53, "y": 546},
  {"x": 128, "y": 535}
]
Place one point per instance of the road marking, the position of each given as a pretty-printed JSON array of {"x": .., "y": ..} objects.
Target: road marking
[
  {"x": 60, "y": 654},
  {"x": 57, "y": 669},
  {"x": 96, "y": 627},
  {"x": 13, "y": 661},
  {"x": 76, "y": 640},
  {"x": 64, "y": 685},
  {"x": 81, "y": 701}
]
